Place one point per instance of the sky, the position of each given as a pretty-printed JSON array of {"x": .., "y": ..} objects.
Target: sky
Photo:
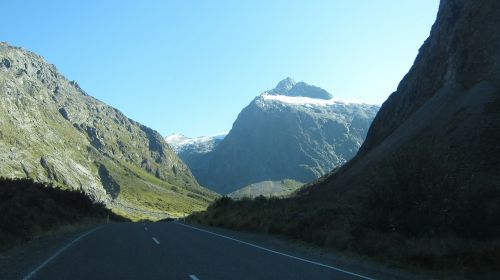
[{"x": 188, "y": 66}]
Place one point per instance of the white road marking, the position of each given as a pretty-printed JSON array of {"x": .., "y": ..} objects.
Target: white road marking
[
  {"x": 29, "y": 276},
  {"x": 156, "y": 241},
  {"x": 193, "y": 277},
  {"x": 145, "y": 228},
  {"x": 278, "y": 253}
]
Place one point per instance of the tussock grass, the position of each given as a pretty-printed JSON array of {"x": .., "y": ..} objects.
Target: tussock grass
[{"x": 348, "y": 228}]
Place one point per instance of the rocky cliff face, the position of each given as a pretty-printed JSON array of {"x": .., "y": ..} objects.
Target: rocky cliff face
[
  {"x": 295, "y": 131},
  {"x": 195, "y": 151},
  {"x": 461, "y": 51},
  {"x": 434, "y": 146},
  {"x": 51, "y": 130}
]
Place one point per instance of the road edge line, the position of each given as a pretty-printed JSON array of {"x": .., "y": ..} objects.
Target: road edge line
[
  {"x": 32, "y": 273},
  {"x": 276, "y": 252}
]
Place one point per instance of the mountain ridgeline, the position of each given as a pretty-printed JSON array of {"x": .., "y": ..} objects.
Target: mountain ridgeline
[
  {"x": 424, "y": 189},
  {"x": 52, "y": 131},
  {"x": 295, "y": 131}
]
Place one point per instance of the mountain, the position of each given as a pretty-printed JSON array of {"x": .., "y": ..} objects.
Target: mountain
[
  {"x": 194, "y": 151},
  {"x": 294, "y": 131},
  {"x": 201, "y": 145},
  {"x": 424, "y": 188},
  {"x": 52, "y": 131}
]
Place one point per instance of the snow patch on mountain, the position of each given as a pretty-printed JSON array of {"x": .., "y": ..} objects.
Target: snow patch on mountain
[
  {"x": 180, "y": 142},
  {"x": 301, "y": 100},
  {"x": 177, "y": 139}
]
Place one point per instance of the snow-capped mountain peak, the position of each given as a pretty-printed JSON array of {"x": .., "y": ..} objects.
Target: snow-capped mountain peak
[
  {"x": 289, "y": 87},
  {"x": 176, "y": 139},
  {"x": 180, "y": 142}
]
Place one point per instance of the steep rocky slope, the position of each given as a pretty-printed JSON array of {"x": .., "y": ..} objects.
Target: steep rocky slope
[
  {"x": 424, "y": 188},
  {"x": 294, "y": 131},
  {"x": 52, "y": 131},
  {"x": 442, "y": 124},
  {"x": 201, "y": 145},
  {"x": 194, "y": 151}
]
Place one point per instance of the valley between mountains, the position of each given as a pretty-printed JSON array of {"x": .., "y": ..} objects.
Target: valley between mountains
[
  {"x": 303, "y": 186},
  {"x": 285, "y": 137}
]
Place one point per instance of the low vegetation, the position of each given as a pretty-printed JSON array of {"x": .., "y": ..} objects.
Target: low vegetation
[
  {"x": 149, "y": 195},
  {"x": 30, "y": 209},
  {"x": 423, "y": 221},
  {"x": 281, "y": 188}
]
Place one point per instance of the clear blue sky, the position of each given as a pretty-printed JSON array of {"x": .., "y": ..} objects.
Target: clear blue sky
[{"x": 191, "y": 66}]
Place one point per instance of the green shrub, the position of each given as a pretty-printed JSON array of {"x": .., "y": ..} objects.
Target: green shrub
[{"x": 29, "y": 208}]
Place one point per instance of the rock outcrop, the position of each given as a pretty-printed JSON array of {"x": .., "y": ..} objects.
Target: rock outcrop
[
  {"x": 434, "y": 146},
  {"x": 52, "y": 131}
]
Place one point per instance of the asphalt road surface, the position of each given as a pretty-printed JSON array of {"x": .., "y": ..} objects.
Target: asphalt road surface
[{"x": 172, "y": 250}]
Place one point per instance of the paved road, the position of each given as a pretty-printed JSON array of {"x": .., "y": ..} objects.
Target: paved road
[{"x": 174, "y": 251}]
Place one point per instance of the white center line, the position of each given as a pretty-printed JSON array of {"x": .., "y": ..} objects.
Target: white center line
[
  {"x": 156, "y": 241},
  {"x": 278, "y": 253},
  {"x": 193, "y": 277}
]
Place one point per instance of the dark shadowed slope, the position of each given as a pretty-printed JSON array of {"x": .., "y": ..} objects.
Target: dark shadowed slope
[
  {"x": 446, "y": 109},
  {"x": 29, "y": 209}
]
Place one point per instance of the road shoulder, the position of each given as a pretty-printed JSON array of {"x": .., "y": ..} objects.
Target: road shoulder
[
  {"x": 315, "y": 254},
  {"x": 17, "y": 262}
]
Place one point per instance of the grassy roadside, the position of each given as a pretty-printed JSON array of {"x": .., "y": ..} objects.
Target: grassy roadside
[
  {"x": 330, "y": 224},
  {"x": 31, "y": 209}
]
